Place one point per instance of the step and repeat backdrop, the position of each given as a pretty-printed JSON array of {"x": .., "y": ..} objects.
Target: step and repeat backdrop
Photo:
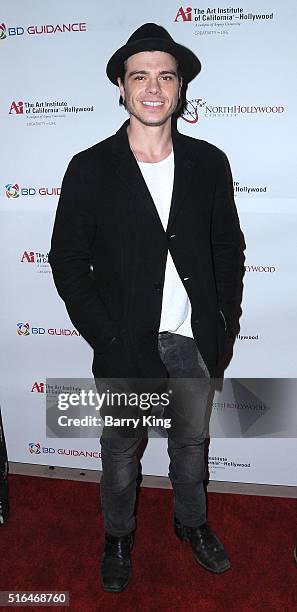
[{"x": 56, "y": 101}]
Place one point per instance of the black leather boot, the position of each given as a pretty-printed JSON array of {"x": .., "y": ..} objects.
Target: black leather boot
[
  {"x": 116, "y": 562},
  {"x": 207, "y": 548}
]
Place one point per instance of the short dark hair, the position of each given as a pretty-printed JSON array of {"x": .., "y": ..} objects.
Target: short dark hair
[{"x": 182, "y": 104}]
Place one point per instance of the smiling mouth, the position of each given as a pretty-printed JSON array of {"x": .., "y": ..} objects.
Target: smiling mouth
[{"x": 152, "y": 104}]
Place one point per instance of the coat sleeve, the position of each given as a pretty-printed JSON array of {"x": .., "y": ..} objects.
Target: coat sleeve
[
  {"x": 228, "y": 247},
  {"x": 70, "y": 259}
]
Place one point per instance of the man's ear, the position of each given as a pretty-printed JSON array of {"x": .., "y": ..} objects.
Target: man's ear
[{"x": 121, "y": 88}]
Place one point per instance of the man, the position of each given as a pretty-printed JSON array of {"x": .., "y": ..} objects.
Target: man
[{"x": 153, "y": 212}]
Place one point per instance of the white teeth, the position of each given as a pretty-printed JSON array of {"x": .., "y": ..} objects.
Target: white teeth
[{"x": 152, "y": 103}]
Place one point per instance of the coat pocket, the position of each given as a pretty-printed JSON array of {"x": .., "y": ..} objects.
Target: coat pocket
[
  {"x": 221, "y": 334},
  {"x": 223, "y": 319},
  {"x": 116, "y": 360}
]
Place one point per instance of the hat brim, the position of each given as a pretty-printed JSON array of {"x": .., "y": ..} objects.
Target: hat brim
[{"x": 188, "y": 62}]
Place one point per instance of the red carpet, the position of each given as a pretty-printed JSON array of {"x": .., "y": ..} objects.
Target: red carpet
[{"x": 53, "y": 540}]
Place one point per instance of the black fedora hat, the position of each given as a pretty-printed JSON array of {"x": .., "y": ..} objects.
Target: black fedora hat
[{"x": 152, "y": 37}]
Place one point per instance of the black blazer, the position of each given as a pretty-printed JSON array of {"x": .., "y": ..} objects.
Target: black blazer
[{"x": 107, "y": 222}]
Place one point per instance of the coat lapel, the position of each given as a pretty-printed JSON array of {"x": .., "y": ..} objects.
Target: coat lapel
[
  {"x": 183, "y": 172},
  {"x": 129, "y": 173}
]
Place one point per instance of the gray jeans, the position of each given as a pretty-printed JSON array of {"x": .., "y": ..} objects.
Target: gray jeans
[{"x": 119, "y": 454}]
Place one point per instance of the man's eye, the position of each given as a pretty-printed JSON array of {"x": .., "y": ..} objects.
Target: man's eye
[
  {"x": 167, "y": 77},
  {"x": 139, "y": 77}
]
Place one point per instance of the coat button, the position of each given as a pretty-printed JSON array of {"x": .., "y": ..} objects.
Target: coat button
[
  {"x": 172, "y": 236},
  {"x": 158, "y": 287}
]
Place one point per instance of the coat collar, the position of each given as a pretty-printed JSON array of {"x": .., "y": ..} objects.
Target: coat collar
[{"x": 129, "y": 172}]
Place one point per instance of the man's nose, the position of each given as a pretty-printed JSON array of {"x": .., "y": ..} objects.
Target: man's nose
[{"x": 153, "y": 85}]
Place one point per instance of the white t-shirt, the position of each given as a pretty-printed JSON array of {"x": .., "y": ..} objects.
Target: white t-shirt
[{"x": 176, "y": 306}]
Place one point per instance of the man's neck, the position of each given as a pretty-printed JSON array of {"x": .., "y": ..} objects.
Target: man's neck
[{"x": 149, "y": 143}]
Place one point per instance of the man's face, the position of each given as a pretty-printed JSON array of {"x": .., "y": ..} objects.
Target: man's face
[{"x": 151, "y": 87}]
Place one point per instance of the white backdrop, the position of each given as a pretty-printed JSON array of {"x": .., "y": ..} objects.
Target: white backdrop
[{"x": 56, "y": 101}]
